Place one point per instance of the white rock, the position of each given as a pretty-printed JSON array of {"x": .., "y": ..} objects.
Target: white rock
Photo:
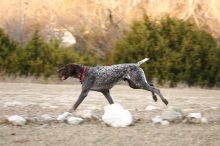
[
  {"x": 204, "y": 120},
  {"x": 195, "y": 115},
  {"x": 159, "y": 120},
  {"x": 150, "y": 108},
  {"x": 74, "y": 120},
  {"x": 63, "y": 116},
  {"x": 172, "y": 115},
  {"x": 116, "y": 116},
  {"x": 165, "y": 123},
  {"x": 17, "y": 120},
  {"x": 156, "y": 119},
  {"x": 46, "y": 118},
  {"x": 194, "y": 118}
]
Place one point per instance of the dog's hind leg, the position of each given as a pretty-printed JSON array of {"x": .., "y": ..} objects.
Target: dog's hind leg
[
  {"x": 146, "y": 86},
  {"x": 139, "y": 80},
  {"x": 153, "y": 94},
  {"x": 107, "y": 96},
  {"x": 134, "y": 86}
]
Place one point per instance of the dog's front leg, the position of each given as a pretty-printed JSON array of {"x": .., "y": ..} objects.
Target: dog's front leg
[
  {"x": 81, "y": 97},
  {"x": 107, "y": 96}
]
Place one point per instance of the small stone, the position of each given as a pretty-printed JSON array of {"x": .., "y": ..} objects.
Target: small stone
[
  {"x": 17, "y": 120},
  {"x": 173, "y": 115},
  {"x": 74, "y": 120},
  {"x": 194, "y": 118},
  {"x": 156, "y": 119},
  {"x": 46, "y": 118},
  {"x": 165, "y": 123},
  {"x": 150, "y": 108},
  {"x": 195, "y": 115},
  {"x": 63, "y": 117},
  {"x": 204, "y": 120}
]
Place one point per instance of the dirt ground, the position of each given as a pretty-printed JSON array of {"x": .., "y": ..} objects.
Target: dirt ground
[{"x": 54, "y": 99}]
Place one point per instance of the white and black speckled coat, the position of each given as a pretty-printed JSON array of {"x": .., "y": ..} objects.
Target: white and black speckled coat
[{"x": 103, "y": 78}]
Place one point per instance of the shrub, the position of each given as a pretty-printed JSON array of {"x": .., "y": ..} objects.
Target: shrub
[
  {"x": 38, "y": 58},
  {"x": 178, "y": 52},
  {"x": 10, "y": 54}
]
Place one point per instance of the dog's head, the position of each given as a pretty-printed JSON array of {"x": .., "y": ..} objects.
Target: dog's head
[{"x": 70, "y": 70}]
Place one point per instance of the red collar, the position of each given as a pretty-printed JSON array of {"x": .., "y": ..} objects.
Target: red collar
[{"x": 82, "y": 74}]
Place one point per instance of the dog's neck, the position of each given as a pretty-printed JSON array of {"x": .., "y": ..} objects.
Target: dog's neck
[{"x": 82, "y": 74}]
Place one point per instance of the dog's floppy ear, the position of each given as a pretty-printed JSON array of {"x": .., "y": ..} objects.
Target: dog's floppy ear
[
  {"x": 70, "y": 70},
  {"x": 74, "y": 70}
]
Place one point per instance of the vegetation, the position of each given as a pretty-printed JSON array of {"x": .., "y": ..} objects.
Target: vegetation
[
  {"x": 37, "y": 58},
  {"x": 178, "y": 52}
]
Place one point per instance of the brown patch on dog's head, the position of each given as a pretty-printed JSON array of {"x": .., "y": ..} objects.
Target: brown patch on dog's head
[{"x": 70, "y": 70}]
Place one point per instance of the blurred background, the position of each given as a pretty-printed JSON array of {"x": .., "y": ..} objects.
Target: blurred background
[{"x": 181, "y": 38}]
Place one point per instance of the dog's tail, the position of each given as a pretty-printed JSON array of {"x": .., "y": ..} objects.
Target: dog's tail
[{"x": 142, "y": 61}]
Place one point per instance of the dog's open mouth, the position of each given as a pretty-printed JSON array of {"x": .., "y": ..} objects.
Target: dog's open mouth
[{"x": 63, "y": 77}]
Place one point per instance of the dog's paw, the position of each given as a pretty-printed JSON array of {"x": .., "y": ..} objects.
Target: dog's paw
[
  {"x": 165, "y": 102},
  {"x": 155, "y": 98},
  {"x": 71, "y": 110}
]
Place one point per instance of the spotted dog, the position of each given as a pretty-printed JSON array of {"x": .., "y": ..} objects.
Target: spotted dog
[{"x": 103, "y": 78}]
